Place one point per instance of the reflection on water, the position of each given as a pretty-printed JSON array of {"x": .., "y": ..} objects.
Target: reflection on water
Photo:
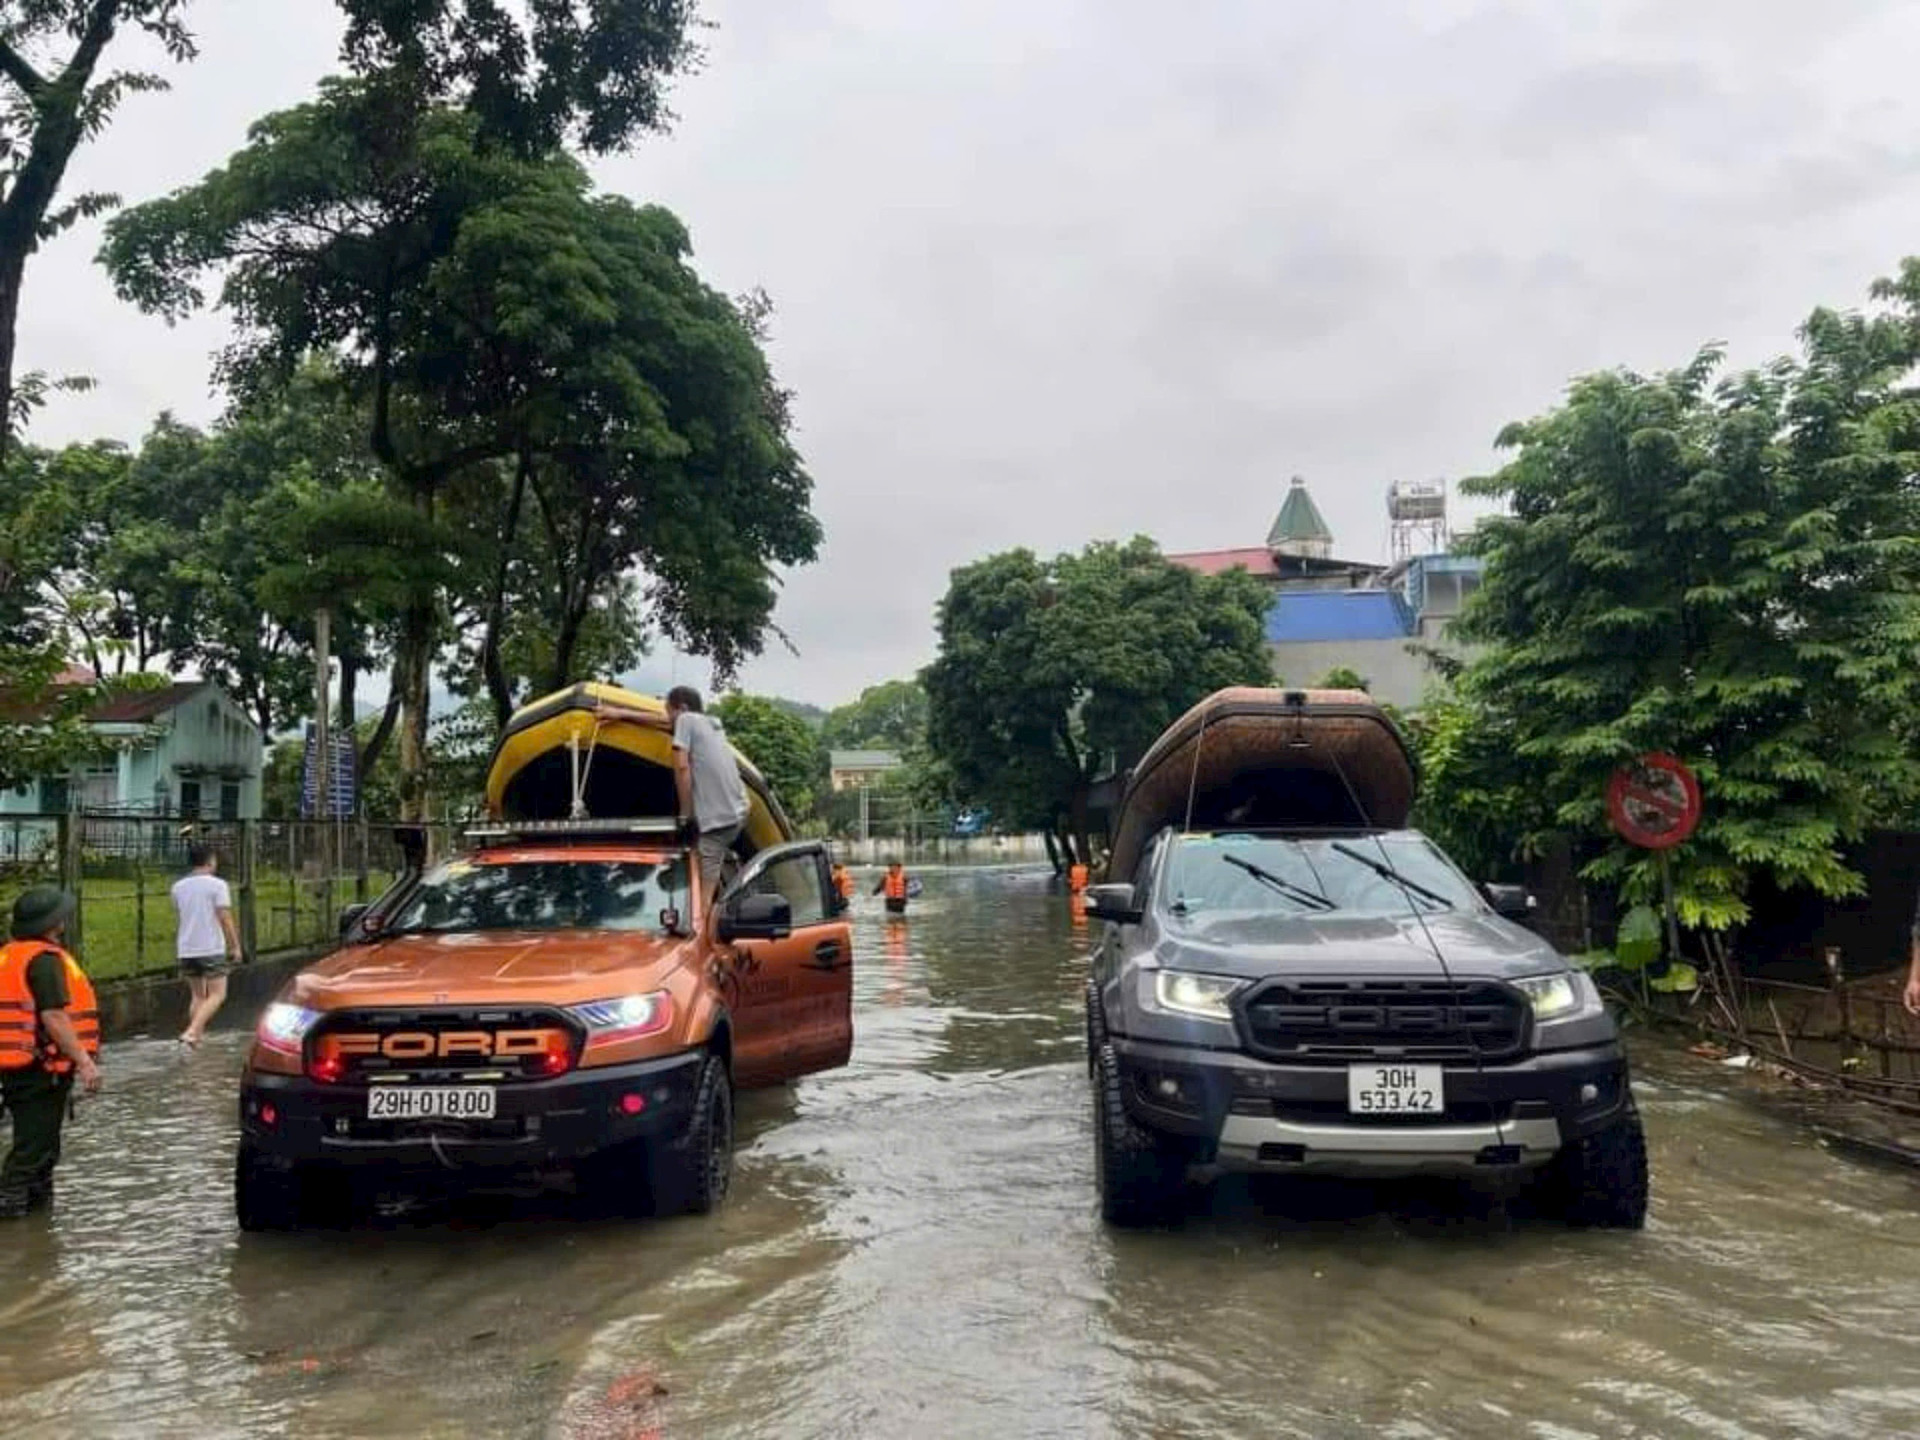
[{"x": 911, "y": 1248}]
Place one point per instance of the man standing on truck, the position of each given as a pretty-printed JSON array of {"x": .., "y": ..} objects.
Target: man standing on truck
[
  {"x": 713, "y": 799},
  {"x": 206, "y": 941},
  {"x": 49, "y": 1033}
]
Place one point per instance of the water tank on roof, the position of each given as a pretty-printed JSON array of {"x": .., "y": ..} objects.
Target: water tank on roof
[{"x": 1415, "y": 501}]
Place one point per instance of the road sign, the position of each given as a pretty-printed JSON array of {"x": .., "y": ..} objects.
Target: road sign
[
  {"x": 1654, "y": 802},
  {"x": 342, "y": 789}
]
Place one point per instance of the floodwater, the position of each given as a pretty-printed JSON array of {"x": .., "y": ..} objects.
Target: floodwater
[{"x": 912, "y": 1249}]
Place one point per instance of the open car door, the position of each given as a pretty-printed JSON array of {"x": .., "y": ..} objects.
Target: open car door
[{"x": 792, "y": 995}]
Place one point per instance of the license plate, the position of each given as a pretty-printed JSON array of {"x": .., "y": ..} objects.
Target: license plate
[
  {"x": 1396, "y": 1089},
  {"x": 430, "y": 1102}
]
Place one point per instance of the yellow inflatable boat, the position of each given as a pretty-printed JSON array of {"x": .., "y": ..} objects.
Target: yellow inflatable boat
[{"x": 625, "y": 769}]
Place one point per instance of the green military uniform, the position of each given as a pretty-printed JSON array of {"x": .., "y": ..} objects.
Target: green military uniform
[
  {"x": 36, "y": 1097},
  {"x": 38, "y": 1102}
]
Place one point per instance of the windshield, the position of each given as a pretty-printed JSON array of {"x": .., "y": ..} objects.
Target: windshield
[
  {"x": 546, "y": 895},
  {"x": 1214, "y": 874}
]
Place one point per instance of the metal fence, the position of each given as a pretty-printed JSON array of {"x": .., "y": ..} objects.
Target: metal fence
[{"x": 290, "y": 878}]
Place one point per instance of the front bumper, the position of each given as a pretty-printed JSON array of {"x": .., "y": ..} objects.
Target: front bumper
[
  {"x": 537, "y": 1123},
  {"x": 1241, "y": 1113}
]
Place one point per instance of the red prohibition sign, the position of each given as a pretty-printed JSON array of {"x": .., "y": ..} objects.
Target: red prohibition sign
[{"x": 1654, "y": 803}]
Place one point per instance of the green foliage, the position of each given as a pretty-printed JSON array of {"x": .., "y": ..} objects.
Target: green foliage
[
  {"x": 1724, "y": 568},
  {"x": 1476, "y": 800},
  {"x": 53, "y": 98},
  {"x": 1340, "y": 677},
  {"x": 783, "y": 747},
  {"x": 549, "y": 387},
  {"x": 1051, "y": 673},
  {"x": 890, "y": 716},
  {"x": 535, "y": 77}
]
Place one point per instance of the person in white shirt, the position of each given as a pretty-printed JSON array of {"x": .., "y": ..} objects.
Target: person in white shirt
[{"x": 206, "y": 940}]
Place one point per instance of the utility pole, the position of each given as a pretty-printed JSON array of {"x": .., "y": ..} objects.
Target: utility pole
[{"x": 322, "y": 752}]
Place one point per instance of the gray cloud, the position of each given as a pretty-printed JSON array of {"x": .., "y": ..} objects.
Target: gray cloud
[{"x": 1052, "y": 270}]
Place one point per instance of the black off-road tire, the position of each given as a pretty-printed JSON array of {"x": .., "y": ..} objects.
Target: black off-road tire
[
  {"x": 692, "y": 1171},
  {"x": 1600, "y": 1181},
  {"x": 1142, "y": 1176},
  {"x": 1096, "y": 1028},
  {"x": 268, "y": 1197}
]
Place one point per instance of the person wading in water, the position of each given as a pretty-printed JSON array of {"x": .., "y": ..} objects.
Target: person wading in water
[
  {"x": 49, "y": 1035},
  {"x": 896, "y": 887}
]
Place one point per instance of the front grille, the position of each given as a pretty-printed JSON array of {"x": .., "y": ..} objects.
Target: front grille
[
  {"x": 1343, "y": 1020},
  {"x": 420, "y": 1059}
]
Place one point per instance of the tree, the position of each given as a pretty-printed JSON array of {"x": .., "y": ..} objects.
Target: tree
[
  {"x": 586, "y": 73},
  {"x": 511, "y": 336},
  {"x": 47, "y": 108},
  {"x": 1051, "y": 673},
  {"x": 1727, "y": 569},
  {"x": 891, "y": 716},
  {"x": 780, "y": 744},
  {"x": 1342, "y": 677}
]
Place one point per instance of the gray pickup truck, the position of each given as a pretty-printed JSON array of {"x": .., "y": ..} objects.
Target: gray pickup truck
[{"x": 1335, "y": 997}]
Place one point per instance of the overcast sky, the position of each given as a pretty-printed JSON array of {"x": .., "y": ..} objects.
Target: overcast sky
[{"x": 1055, "y": 270}]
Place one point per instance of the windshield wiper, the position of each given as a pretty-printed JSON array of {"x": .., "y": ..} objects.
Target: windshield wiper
[
  {"x": 1387, "y": 872},
  {"x": 1288, "y": 888}
]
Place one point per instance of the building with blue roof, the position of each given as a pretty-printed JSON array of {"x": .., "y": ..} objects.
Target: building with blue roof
[{"x": 1328, "y": 614}]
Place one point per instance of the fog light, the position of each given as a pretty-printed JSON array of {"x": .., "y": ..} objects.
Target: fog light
[
  {"x": 269, "y": 1115},
  {"x": 1589, "y": 1093},
  {"x": 632, "y": 1104},
  {"x": 1167, "y": 1088}
]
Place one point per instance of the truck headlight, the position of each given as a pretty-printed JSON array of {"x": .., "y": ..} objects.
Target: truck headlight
[
  {"x": 1563, "y": 996},
  {"x": 626, "y": 1017},
  {"x": 284, "y": 1026},
  {"x": 1185, "y": 992}
]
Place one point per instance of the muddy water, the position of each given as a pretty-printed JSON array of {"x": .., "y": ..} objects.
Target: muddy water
[{"x": 912, "y": 1250}]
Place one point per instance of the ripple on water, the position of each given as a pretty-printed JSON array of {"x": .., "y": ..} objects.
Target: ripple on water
[{"x": 912, "y": 1248}]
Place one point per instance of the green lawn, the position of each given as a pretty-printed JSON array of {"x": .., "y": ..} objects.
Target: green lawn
[{"x": 127, "y": 925}]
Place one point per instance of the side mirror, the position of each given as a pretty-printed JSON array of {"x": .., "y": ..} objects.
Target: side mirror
[
  {"x": 350, "y": 917},
  {"x": 1510, "y": 902},
  {"x": 1112, "y": 902},
  {"x": 756, "y": 917}
]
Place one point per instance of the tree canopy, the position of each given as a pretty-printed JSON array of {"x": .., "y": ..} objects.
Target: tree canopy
[
  {"x": 888, "y": 716},
  {"x": 1723, "y": 566},
  {"x": 541, "y": 369},
  {"x": 781, "y": 745},
  {"x": 1052, "y": 673}
]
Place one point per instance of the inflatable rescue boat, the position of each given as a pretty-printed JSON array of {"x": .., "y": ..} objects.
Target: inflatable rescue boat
[
  {"x": 557, "y": 747},
  {"x": 1267, "y": 759}
]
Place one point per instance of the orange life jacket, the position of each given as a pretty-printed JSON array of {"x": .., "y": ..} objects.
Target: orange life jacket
[
  {"x": 23, "y": 1043},
  {"x": 1077, "y": 878},
  {"x": 896, "y": 885}
]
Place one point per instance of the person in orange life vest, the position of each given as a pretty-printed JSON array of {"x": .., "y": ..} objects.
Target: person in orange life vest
[
  {"x": 893, "y": 885},
  {"x": 49, "y": 1035},
  {"x": 1076, "y": 877}
]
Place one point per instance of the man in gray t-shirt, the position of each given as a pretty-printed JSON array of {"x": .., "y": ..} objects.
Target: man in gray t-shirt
[
  {"x": 708, "y": 779},
  {"x": 713, "y": 799}
]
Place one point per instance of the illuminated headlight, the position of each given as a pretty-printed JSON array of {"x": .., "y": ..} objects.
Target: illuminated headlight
[
  {"x": 1562, "y": 996},
  {"x": 284, "y": 1026},
  {"x": 627, "y": 1017},
  {"x": 1186, "y": 993}
]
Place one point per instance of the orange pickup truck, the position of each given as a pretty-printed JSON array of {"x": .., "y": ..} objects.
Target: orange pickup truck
[{"x": 557, "y": 997}]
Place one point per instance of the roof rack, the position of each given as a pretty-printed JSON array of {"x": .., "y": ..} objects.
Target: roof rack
[{"x": 540, "y": 829}]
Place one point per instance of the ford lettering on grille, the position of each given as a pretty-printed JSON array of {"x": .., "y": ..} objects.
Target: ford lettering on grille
[{"x": 1414, "y": 1019}]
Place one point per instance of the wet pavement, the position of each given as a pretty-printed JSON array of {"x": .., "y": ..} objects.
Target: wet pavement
[{"x": 912, "y": 1248}]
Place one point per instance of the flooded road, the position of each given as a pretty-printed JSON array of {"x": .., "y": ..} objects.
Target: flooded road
[{"x": 912, "y": 1249}]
